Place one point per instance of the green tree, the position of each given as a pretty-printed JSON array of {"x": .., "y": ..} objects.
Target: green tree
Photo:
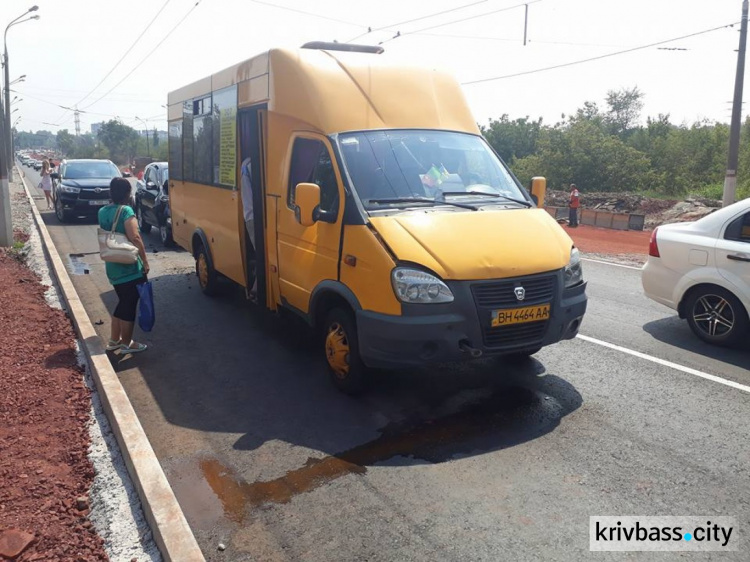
[
  {"x": 513, "y": 139},
  {"x": 624, "y": 109},
  {"x": 66, "y": 142},
  {"x": 120, "y": 140}
]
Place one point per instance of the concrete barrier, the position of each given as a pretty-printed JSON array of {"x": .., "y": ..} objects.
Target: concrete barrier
[
  {"x": 603, "y": 219},
  {"x": 636, "y": 222},
  {"x": 620, "y": 221},
  {"x": 588, "y": 217}
]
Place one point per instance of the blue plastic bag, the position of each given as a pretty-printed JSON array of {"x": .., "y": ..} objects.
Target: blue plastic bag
[{"x": 146, "y": 310}]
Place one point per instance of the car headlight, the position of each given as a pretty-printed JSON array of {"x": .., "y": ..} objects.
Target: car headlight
[
  {"x": 574, "y": 270},
  {"x": 420, "y": 287},
  {"x": 69, "y": 189}
]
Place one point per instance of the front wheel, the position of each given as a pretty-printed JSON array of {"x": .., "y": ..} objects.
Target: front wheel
[
  {"x": 207, "y": 278},
  {"x": 165, "y": 234},
  {"x": 143, "y": 226},
  {"x": 716, "y": 316},
  {"x": 61, "y": 214},
  {"x": 345, "y": 366}
]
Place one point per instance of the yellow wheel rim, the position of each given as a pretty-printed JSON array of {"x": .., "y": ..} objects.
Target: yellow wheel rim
[
  {"x": 337, "y": 350},
  {"x": 202, "y": 270}
]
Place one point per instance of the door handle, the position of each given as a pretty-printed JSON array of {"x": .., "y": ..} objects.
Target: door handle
[{"x": 739, "y": 257}]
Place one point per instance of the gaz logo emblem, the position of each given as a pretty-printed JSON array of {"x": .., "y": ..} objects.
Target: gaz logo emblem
[{"x": 520, "y": 293}]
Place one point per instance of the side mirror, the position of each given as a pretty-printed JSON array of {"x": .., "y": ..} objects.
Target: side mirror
[
  {"x": 307, "y": 200},
  {"x": 55, "y": 176},
  {"x": 538, "y": 190},
  {"x": 151, "y": 186}
]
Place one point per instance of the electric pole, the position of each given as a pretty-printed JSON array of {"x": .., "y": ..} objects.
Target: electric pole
[{"x": 730, "y": 180}]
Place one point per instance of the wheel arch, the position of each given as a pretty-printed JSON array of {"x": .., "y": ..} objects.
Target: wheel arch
[
  {"x": 326, "y": 296},
  {"x": 199, "y": 238}
]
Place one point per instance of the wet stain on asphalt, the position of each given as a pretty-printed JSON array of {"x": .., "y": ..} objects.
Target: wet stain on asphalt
[
  {"x": 76, "y": 265},
  {"x": 500, "y": 419}
]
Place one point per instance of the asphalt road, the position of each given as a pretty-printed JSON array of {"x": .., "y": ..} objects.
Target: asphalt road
[{"x": 488, "y": 462}]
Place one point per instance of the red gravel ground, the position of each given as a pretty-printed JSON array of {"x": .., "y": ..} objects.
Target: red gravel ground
[
  {"x": 593, "y": 240},
  {"x": 45, "y": 473}
]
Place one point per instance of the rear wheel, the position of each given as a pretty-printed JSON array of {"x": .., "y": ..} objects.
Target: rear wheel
[
  {"x": 143, "y": 226},
  {"x": 347, "y": 371},
  {"x": 716, "y": 316},
  {"x": 207, "y": 278}
]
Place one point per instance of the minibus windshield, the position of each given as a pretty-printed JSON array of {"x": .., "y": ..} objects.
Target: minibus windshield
[{"x": 396, "y": 167}]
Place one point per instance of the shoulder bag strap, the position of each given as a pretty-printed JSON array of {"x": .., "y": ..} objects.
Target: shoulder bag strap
[{"x": 117, "y": 218}]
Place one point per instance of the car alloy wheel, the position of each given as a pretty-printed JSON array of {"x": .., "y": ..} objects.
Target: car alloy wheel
[{"x": 713, "y": 315}]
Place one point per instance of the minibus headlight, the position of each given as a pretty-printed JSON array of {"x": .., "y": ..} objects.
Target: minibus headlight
[
  {"x": 574, "y": 269},
  {"x": 420, "y": 287}
]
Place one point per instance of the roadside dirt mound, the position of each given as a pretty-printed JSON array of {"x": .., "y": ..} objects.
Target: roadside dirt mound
[
  {"x": 656, "y": 211},
  {"x": 45, "y": 473}
]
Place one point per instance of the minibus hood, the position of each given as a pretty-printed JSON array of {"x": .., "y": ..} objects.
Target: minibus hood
[{"x": 486, "y": 244}]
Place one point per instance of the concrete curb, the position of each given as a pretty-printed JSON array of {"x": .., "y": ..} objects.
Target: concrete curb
[{"x": 164, "y": 515}]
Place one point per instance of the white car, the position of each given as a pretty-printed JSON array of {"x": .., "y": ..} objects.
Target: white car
[{"x": 702, "y": 270}]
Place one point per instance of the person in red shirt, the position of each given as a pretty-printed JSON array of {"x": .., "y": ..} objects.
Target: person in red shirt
[{"x": 574, "y": 204}]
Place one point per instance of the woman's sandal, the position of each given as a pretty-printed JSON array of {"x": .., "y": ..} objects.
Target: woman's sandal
[
  {"x": 113, "y": 345},
  {"x": 141, "y": 347}
]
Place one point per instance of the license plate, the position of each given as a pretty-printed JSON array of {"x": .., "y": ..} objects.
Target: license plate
[
  {"x": 100, "y": 203},
  {"x": 520, "y": 315}
]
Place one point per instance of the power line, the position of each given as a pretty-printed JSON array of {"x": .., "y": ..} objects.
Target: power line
[
  {"x": 287, "y": 8},
  {"x": 598, "y": 57},
  {"x": 399, "y": 34},
  {"x": 385, "y": 27},
  {"x": 111, "y": 70},
  {"x": 151, "y": 52}
]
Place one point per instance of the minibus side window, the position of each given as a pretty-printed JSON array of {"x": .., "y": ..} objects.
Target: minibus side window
[{"x": 311, "y": 163}]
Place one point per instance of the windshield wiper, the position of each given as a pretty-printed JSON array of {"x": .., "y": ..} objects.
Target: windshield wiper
[
  {"x": 484, "y": 194},
  {"x": 420, "y": 200}
]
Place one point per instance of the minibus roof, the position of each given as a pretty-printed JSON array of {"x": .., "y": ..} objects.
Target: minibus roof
[{"x": 337, "y": 91}]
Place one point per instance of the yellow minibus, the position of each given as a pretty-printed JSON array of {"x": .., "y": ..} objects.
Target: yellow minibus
[{"x": 377, "y": 212}]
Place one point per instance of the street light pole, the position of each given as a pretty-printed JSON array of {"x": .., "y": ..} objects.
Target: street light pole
[
  {"x": 6, "y": 224},
  {"x": 730, "y": 180},
  {"x": 8, "y": 139}
]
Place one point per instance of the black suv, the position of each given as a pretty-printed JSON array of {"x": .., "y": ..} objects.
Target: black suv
[
  {"x": 152, "y": 201},
  {"x": 82, "y": 187}
]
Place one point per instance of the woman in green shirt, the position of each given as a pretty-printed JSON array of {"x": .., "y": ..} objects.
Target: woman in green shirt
[{"x": 124, "y": 277}]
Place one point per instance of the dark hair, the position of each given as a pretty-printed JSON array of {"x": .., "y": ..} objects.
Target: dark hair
[{"x": 119, "y": 191}]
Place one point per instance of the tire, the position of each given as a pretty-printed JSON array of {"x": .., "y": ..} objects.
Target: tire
[
  {"x": 61, "y": 214},
  {"x": 341, "y": 349},
  {"x": 143, "y": 226},
  {"x": 716, "y": 316},
  {"x": 204, "y": 268},
  {"x": 165, "y": 234}
]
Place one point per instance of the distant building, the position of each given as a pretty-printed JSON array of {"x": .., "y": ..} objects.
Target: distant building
[{"x": 95, "y": 127}]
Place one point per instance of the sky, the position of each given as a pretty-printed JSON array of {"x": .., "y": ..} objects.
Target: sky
[{"x": 69, "y": 55}]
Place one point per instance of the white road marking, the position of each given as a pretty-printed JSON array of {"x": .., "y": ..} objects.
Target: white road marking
[
  {"x": 665, "y": 363},
  {"x": 612, "y": 263}
]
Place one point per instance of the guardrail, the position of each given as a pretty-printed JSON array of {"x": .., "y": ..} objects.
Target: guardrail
[{"x": 602, "y": 219}]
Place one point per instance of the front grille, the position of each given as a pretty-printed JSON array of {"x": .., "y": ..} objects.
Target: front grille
[
  {"x": 496, "y": 295},
  {"x": 516, "y": 335},
  {"x": 91, "y": 194},
  {"x": 500, "y": 294}
]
